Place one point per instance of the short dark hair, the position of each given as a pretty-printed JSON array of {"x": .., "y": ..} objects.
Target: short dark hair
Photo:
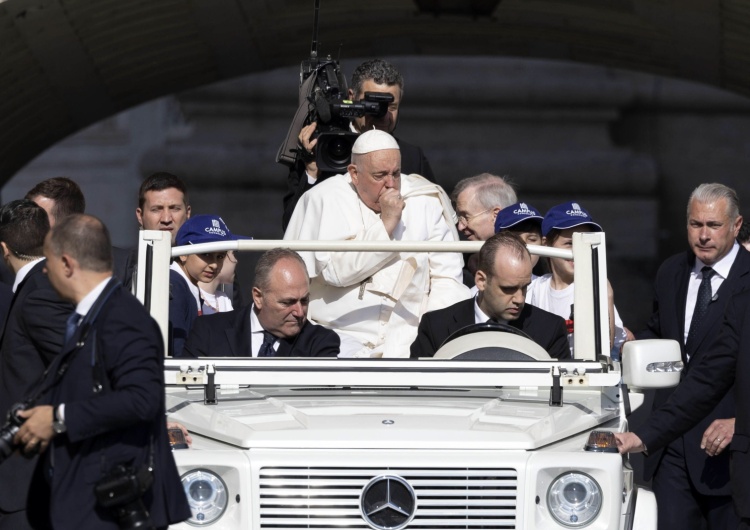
[
  {"x": 267, "y": 262},
  {"x": 524, "y": 227},
  {"x": 161, "y": 181},
  {"x": 743, "y": 236},
  {"x": 85, "y": 238},
  {"x": 380, "y": 71},
  {"x": 65, "y": 192},
  {"x": 552, "y": 236},
  {"x": 23, "y": 227},
  {"x": 511, "y": 245}
]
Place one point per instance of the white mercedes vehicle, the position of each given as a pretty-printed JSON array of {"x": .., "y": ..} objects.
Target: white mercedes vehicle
[{"x": 514, "y": 440}]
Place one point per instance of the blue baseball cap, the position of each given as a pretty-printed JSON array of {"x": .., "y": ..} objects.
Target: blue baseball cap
[
  {"x": 204, "y": 229},
  {"x": 567, "y": 215},
  {"x": 514, "y": 214}
]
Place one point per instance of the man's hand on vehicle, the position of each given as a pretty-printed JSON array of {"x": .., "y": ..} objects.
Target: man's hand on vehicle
[{"x": 628, "y": 442}]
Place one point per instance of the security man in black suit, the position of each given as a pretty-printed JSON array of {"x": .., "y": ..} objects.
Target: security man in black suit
[
  {"x": 32, "y": 337},
  {"x": 503, "y": 274},
  {"x": 60, "y": 197},
  {"x": 101, "y": 403},
  {"x": 710, "y": 378},
  {"x": 690, "y": 486},
  {"x": 274, "y": 325},
  {"x": 375, "y": 75}
]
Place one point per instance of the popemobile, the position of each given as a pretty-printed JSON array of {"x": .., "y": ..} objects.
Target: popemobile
[{"x": 491, "y": 433}]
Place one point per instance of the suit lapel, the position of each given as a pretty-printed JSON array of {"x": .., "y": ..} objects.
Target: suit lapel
[
  {"x": 462, "y": 317},
  {"x": 715, "y": 313},
  {"x": 239, "y": 336},
  {"x": 682, "y": 287},
  {"x": 286, "y": 347},
  {"x": 36, "y": 269}
]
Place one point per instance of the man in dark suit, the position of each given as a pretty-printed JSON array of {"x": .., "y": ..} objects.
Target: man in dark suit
[
  {"x": 60, "y": 197},
  {"x": 374, "y": 75},
  {"x": 690, "y": 486},
  {"x": 503, "y": 274},
  {"x": 710, "y": 378},
  {"x": 32, "y": 337},
  {"x": 101, "y": 405},
  {"x": 274, "y": 325}
]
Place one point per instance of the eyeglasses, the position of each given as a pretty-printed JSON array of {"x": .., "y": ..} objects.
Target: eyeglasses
[{"x": 464, "y": 219}]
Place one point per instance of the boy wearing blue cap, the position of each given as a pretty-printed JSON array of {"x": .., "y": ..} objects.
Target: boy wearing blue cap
[
  {"x": 185, "y": 300},
  {"x": 523, "y": 220},
  {"x": 554, "y": 291}
]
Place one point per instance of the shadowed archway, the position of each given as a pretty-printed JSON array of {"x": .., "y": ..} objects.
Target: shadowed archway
[{"x": 65, "y": 64}]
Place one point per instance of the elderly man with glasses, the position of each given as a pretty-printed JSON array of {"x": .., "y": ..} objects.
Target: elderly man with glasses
[{"x": 477, "y": 201}]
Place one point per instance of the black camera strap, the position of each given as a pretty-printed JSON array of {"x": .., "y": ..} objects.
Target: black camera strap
[{"x": 86, "y": 328}]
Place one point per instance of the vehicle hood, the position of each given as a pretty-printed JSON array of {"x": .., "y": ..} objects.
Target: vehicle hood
[{"x": 397, "y": 419}]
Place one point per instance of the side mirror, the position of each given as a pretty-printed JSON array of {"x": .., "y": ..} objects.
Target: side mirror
[{"x": 651, "y": 363}]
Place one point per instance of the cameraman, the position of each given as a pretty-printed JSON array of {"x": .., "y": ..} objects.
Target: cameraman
[
  {"x": 375, "y": 75},
  {"x": 102, "y": 399}
]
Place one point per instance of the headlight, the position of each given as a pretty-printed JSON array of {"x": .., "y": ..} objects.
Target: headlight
[
  {"x": 206, "y": 494},
  {"x": 574, "y": 499}
]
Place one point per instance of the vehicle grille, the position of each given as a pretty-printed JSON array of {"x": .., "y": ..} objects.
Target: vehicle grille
[{"x": 447, "y": 498}]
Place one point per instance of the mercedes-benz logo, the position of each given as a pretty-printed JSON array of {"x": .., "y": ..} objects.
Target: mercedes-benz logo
[{"x": 388, "y": 502}]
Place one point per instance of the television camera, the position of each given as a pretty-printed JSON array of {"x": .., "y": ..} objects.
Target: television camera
[{"x": 323, "y": 98}]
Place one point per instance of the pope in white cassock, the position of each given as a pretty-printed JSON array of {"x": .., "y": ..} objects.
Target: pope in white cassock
[{"x": 374, "y": 300}]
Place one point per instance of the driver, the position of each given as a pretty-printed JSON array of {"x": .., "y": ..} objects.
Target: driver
[{"x": 503, "y": 274}]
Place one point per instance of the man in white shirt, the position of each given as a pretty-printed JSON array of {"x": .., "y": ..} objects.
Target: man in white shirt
[
  {"x": 374, "y": 300},
  {"x": 692, "y": 488},
  {"x": 504, "y": 273}
]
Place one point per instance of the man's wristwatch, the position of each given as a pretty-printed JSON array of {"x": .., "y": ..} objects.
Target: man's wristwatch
[{"x": 58, "y": 424}]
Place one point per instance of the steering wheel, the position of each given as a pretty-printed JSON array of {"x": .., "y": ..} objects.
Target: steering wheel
[
  {"x": 491, "y": 341},
  {"x": 485, "y": 326}
]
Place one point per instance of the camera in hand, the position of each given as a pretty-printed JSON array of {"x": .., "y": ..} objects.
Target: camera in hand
[
  {"x": 12, "y": 424},
  {"x": 334, "y": 113},
  {"x": 322, "y": 99},
  {"x": 122, "y": 492}
]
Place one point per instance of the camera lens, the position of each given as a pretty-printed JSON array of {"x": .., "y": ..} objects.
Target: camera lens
[
  {"x": 338, "y": 149},
  {"x": 6, "y": 441},
  {"x": 335, "y": 151},
  {"x": 9, "y": 430}
]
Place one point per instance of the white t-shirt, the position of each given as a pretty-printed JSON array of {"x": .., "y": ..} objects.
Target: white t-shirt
[
  {"x": 219, "y": 302},
  {"x": 559, "y": 301}
]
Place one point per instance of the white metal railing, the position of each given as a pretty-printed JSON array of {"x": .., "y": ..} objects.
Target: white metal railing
[
  {"x": 588, "y": 254},
  {"x": 259, "y": 245},
  {"x": 319, "y": 371}
]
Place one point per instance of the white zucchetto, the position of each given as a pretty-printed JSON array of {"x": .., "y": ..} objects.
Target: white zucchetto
[{"x": 373, "y": 140}]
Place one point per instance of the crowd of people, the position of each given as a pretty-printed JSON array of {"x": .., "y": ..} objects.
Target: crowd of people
[{"x": 103, "y": 408}]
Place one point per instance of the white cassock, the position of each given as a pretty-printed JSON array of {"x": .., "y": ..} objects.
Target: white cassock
[{"x": 374, "y": 300}]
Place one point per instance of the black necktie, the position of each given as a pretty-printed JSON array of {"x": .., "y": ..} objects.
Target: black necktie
[
  {"x": 266, "y": 349},
  {"x": 71, "y": 325},
  {"x": 701, "y": 305}
]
